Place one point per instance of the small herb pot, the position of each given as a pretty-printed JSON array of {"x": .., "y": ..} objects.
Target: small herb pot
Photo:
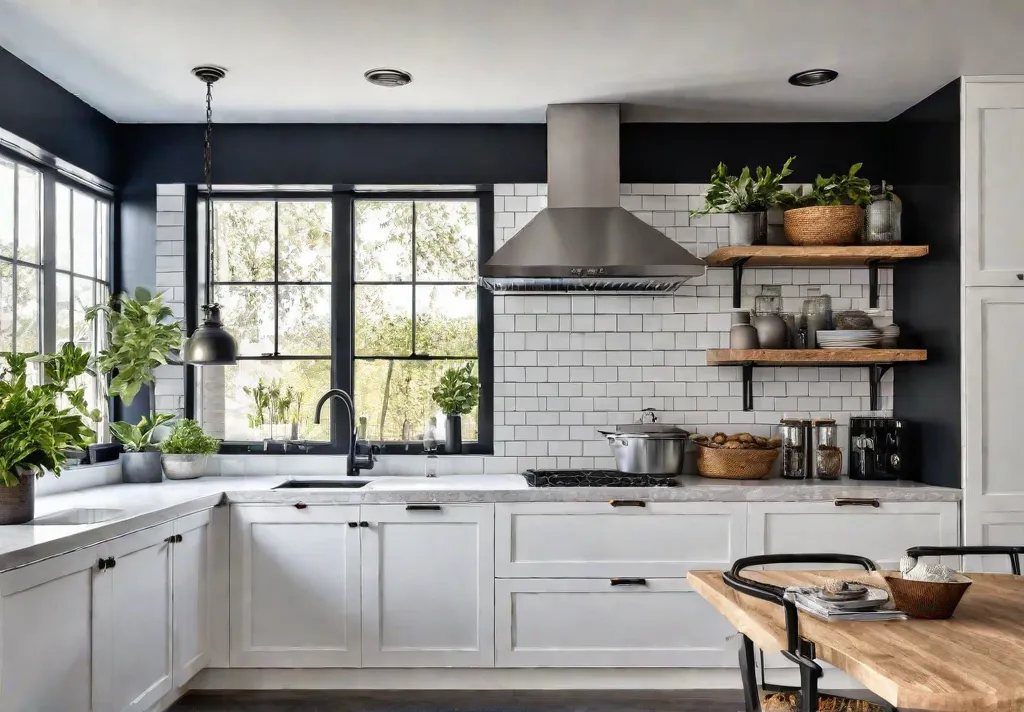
[
  {"x": 748, "y": 228},
  {"x": 453, "y": 435},
  {"x": 18, "y": 503},
  {"x": 140, "y": 467},
  {"x": 183, "y": 467}
]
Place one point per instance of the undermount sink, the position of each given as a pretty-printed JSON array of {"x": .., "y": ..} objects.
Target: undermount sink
[
  {"x": 71, "y": 517},
  {"x": 321, "y": 484}
]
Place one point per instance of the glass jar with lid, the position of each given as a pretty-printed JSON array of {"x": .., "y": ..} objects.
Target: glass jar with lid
[
  {"x": 828, "y": 456},
  {"x": 791, "y": 431},
  {"x": 883, "y": 216}
]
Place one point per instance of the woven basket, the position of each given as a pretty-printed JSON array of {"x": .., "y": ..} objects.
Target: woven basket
[
  {"x": 734, "y": 464},
  {"x": 824, "y": 224},
  {"x": 926, "y": 599}
]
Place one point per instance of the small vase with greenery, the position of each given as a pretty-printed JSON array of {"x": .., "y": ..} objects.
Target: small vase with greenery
[
  {"x": 142, "y": 335},
  {"x": 456, "y": 394},
  {"x": 36, "y": 432},
  {"x": 832, "y": 213},
  {"x": 747, "y": 198},
  {"x": 186, "y": 450}
]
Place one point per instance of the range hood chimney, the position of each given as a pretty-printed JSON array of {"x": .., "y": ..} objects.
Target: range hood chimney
[{"x": 583, "y": 240}]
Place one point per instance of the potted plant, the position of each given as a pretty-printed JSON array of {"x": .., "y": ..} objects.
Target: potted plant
[
  {"x": 747, "y": 200},
  {"x": 142, "y": 335},
  {"x": 186, "y": 450},
  {"x": 456, "y": 394},
  {"x": 832, "y": 213},
  {"x": 260, "y": 412},
  {"x": 35, "y": 431}
]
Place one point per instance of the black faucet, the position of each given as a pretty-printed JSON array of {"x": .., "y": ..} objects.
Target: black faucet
[{"x": 362, "y": 462}]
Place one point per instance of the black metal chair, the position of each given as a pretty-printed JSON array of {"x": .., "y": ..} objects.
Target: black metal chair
[
  {"x": 798, "y": 650},
  {"x": 1013, "y": 552}
]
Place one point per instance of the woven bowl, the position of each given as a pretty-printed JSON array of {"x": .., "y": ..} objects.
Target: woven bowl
[
  {"x": 734, "y": 464},
  {"x": 926, "y": 599},
  {"x": 824, "y": 224}
]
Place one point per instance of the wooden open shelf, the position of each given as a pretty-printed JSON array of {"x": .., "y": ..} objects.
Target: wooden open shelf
[
  {"x": 813, "y": 357},
  {"x": 824, "y": 256}
]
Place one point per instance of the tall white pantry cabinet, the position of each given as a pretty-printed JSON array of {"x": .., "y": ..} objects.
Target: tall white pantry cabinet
[{"x": 992, "y": 335}]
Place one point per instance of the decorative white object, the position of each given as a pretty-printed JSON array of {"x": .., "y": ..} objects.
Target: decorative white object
[{"x": 936, "y": 573}]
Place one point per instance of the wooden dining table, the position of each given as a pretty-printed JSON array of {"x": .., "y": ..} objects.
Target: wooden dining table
[{"x": 972, "y": 662}]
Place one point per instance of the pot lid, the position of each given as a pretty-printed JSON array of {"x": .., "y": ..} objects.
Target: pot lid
[{"x": 648, "y": 430}]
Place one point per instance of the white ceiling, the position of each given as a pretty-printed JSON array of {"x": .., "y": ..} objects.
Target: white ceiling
[{"x": 505, "y": 60}]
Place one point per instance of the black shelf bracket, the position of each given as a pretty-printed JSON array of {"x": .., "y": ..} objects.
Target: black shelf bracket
[
  {"x": 748, "y": 386},
  {"x": 873, "y": 284},
  {"x": 877, "y": 372},
  {"x": 737, "y": 280}
]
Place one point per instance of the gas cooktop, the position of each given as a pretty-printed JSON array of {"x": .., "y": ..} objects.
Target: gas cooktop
[{"x": 594, "y": 478}]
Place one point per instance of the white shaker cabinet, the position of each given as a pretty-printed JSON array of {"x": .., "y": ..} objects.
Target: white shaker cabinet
[
  {"x": 428, "y": 585},
  {"x": 993, "y": 152},
  {"x": 191, "y": 595},
  {"x": 295, "y": 586}
]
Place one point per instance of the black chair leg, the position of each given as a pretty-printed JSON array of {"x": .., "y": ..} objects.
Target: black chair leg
[{"x": 751, "y": 699}]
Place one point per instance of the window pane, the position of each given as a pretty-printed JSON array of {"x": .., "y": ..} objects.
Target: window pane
[
  {"x": 84, "y": 233},
  {"x": 446, "y": 320},
  {"x": 63, "y": 305},
  {"x": 6, "y": 306},
  {"x": 84, "y": 297},
  {"x": 229, "y": 412},
  {"x": 383, "y": 320},
  {"x": 394, "y": 396},
  {"x": 244, "y": 236},
  {"x": 28, "y": 310},
  {"x": 63, "y": 218},
  {"x": 304, "y": 320},
  {"x": 446, "y": 240},
  {"x": 248, "y": 314},
  {"x": 383, "y": 241},
  {"x": 304, "y": 241},
  {"x": 29, "y": 214},
  {"x": 102, "y": 240},
  {"x": 6, "y": 208}
]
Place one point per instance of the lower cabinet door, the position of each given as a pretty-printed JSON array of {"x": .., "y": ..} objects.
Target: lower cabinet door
[
  {"x": 46, "y": 629},
  {"x": 295, "y": 586},
  {"x": 607, "y": 623},
  {"x": 428, "y": 585},
  {"x": 191, "y": 596}
]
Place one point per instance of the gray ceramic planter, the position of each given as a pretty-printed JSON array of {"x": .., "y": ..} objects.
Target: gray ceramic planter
[
  {"x": 18, "y": 503},
  {"x": 748, "y": 228},
  {"x": 183, "y": 467},
  {"x": 138, "y": 467}
]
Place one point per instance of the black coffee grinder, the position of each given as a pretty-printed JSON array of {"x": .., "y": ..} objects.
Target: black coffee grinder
[{"x": 881, "y": 449}]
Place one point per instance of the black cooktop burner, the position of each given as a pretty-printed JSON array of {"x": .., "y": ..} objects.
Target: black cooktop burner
[{"x": 594, "y": 478}]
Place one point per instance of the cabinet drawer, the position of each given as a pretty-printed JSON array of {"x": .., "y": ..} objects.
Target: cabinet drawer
[
  {"x": 592, "y": 623},
  {"x": 598, "y": 539},
  {"x": 882, "y": 534}
]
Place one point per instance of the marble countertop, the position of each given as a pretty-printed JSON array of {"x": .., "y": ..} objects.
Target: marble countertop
[{"x": 146, "y": 505}]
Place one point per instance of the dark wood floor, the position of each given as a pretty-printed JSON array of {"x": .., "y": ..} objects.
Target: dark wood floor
[{"x": 464, "y": 701}]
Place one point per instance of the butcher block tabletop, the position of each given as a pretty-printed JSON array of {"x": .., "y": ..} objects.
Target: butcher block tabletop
[{"x": 973, "y": 662}]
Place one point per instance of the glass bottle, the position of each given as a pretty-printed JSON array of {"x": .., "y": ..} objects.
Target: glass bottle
[
  {"x": 883, "y": 217},
  {"x": 430, "y": 447}
]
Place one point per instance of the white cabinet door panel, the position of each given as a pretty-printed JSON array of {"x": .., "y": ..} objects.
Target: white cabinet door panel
[
  {"x": 191, "y": 596},
  {"x": 598, "y": 539},
  {"x": 428, "y": 585},
  {"x": 295, "y": 586},
  {"x": 592, "y": 623}
]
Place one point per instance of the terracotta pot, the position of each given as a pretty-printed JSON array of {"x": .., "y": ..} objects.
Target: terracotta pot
[{"x": 18, "y": 503}]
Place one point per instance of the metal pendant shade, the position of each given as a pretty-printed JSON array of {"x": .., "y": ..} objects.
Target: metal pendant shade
[{"x": 210, "y": 344}]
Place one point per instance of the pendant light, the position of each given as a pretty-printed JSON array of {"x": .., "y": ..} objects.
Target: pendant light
[{"x": 210, "y": 344}]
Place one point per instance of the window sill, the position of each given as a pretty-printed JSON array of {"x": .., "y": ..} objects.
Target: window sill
[{"x": 386, "y": 449}]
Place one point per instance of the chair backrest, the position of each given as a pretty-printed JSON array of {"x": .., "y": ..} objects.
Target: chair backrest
[{"x": 1013, "y": 552}]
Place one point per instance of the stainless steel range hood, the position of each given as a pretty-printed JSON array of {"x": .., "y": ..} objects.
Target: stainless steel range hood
[{"x": 583, "y": 240}]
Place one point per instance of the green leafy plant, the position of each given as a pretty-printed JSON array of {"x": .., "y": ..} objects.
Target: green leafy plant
[
  {"x": 746, "y": 193},
  {"x": 188, "y": 438},
  {"x": 35, "y": 431},
  {"x": 260, "y": 396},
  {"x": 458, "y": 391},
  {"x": 846, "y": 189},
  {"x": 137, "y": 438}
]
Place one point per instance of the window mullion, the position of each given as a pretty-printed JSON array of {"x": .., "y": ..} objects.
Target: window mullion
[
  {"x": 413, "y": 315},
  {"x": 14, "y": 263},
  {"x": 277, "y": 275},
  {"x": 48, "y": 297},
  {"x": 342, "y": 313}
]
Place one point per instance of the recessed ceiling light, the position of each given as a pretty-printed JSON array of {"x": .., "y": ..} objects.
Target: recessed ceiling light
[
  {"x": 388, "y": 77},
  {"x": 813, "y": 77}
]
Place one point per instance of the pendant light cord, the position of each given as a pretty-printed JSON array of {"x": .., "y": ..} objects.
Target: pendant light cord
[{"x": 208, "y": 169}]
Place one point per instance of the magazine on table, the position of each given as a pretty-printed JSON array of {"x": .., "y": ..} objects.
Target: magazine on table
[{"x": 876, "y": 606}]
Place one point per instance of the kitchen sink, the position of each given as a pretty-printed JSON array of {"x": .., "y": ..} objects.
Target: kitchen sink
[
  {"x": 321, "y": 484},
  {"x": 71, "y": 517}
]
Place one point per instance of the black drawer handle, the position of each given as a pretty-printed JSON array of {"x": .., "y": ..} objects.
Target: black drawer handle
[
  {"x": 364, "y": 525},
  {"x": 855, "y": 502},
  {"x": 111, "y": 562},
  {"x": 423, "y": 507},
  {"x": 173, "y": 539},
  {"x": 101, "y": 564},
  {"x": 629, "y": 582},
  {"x": 628, "y": 503},
  {"x": 353, "y": 525},
  {"x": 300, "y": 505}
]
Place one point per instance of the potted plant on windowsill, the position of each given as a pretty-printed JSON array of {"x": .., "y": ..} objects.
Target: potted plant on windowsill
[
  {"x": 142, "y": 335},
  {"x": 456, "y": 394},
  {"x": 186, "y": 450},
  {"x": 747, "y": 200},
  {"x": 832, "y": 213},
  {"x": 36, "y": 433}
]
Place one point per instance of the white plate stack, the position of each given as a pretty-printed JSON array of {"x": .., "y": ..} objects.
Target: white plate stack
[{"x": 849, "y": 339}]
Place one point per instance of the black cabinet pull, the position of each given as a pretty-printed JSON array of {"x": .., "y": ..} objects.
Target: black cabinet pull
[
  {"x": 178, "y": 538},
  {"x": 111, "y": 562},
  {"x": 1020, "y": 276},
  {"x": 423, "y": 507},
  {"x": 101, "y": 564},
  {"x": 300, "y": 505},
  {"x": 353, "y": 525},
  {"x": 628, "y": 503},
  {"x": 170, "y": 539},
  {"x": 364, "y": 524},
  {"x": 629, "y": 582},
  {"x": 855, "y": 502}
]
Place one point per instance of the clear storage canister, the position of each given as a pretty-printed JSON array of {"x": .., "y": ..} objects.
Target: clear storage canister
[
  {"x": 828, "y": 457},
  {"x": 793, "y": 449}
]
